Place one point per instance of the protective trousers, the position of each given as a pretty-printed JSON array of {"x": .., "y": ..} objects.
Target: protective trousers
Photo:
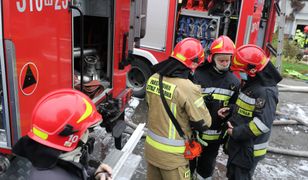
[
  {"x": 180, "y": 173},
  {"x": 206, "y": 162},
  {"x": 235, "y": 172}
]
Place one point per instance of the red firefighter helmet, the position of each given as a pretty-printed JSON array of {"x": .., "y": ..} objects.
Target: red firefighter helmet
[
  {"x": 221, "y": 45},
  {"x": 61, "y": 117},
  {"x": 249, "y": 59},
  {"x": 189, "y": 51},
  {"x": 306, "y": 29}
]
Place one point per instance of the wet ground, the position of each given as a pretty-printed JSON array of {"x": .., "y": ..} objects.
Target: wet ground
[{"x": 274, "y": 166}]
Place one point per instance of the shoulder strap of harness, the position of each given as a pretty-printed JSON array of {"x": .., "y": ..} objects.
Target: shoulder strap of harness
[{"x": 173, "y": 119}]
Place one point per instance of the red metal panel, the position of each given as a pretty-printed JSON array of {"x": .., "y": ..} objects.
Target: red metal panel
[
  {"x": 256, "y": 18},
  {"x": 163, "y": 55},
  {"x": 41, "y": 33},
  {"x": 5, "y": 151},
  {"x": 247, "y": 8},
  {"x": 121, "y": 26}
]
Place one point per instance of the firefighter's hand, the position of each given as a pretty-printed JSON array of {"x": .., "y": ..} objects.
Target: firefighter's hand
[
  {"x": 223, "y": 112},
  {"x": 230, "y": 128},
  {"x": 103, "y": 172}
]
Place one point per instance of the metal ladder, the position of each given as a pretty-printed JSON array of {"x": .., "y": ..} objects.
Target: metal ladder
[
  {"x": 281, "y": 23},
  {"x": 123, "y": 162}
]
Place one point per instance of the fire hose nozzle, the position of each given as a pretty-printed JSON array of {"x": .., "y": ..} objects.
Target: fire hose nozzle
[
  {"x": 229, "y": 11},
  {"x": 213, "y": 24}
]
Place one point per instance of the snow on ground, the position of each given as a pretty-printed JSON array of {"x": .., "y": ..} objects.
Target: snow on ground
[
  {"x": 130, "y": 110},
  {"x": 274, "y": 166},
  {"x": 303, "y": 165},
  {"x": 291, "y": 130},
  {"x": 281, "y": 167},
  {"x": 296, "y": 110}
]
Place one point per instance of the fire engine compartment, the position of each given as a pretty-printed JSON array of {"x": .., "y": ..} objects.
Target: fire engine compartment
[
  {"x": 98, "y": 65},
  {"x": 97, "y": 47},
  {"x": 206, "y": 20}
]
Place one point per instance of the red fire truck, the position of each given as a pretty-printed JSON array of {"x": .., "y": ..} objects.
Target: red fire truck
[
  {"x": 52, "y": 44},
  {"x": 169, "y": 21}
]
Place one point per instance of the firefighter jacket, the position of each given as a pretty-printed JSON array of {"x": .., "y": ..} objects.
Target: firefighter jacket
[
  {"x": 164, "y": 147},
  {"x": 63, "y": 170},
  {"x": 46, "y": 163},
  {"x": 252, "y": 118},
  {"x": 217, "y": 89}
]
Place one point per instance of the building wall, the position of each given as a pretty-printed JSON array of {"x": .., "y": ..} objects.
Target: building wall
[{"x": 301, "y": 18}]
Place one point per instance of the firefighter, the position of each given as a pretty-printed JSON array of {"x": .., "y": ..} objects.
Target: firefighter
[
  {"x": 167, "y": 146},
  {"x": 58, "y": 143},
  {"x": 218, "y": 85},
  {"x": 251, "y": 117}
]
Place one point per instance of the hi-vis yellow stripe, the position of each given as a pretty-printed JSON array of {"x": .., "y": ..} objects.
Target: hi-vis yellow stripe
[
  {"x": 260, "y": 152},
  {"x": 244, "y": 105},
  {"x": 199, "y": 102},
  {"x": 39, "y": 133},
  {"x": 235, "y": 61},
  {"x": 164, "y": 147},
  {"x": 171, "y": 134},
  {"x": 220, "y": 97},
  {"x": 172, "y": 130},
  {"x": 219, "y": 45},
  {"x": 210, "y": 137},
  {"x": 254, "y": 128},
  {"x": 88, "y": 111},
  {"x": 202, "y": 55},
  {"x": 263, "y": 60},
  {"x": 153, "y": 87},
  {"x": 181, "y": 57}
]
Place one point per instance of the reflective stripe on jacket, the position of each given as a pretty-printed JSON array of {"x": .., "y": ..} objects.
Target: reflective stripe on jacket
[
  {"x": 164, "y": 147},
  {"x": 253, "y": 115},
  {"x": 165, "y": 144},
  {"x": 211, "y": 135},
  {"x": 223, "y": 88}
]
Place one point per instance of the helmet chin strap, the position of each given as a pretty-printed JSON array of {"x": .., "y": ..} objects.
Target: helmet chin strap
[{"x": 75, "y": 155}]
